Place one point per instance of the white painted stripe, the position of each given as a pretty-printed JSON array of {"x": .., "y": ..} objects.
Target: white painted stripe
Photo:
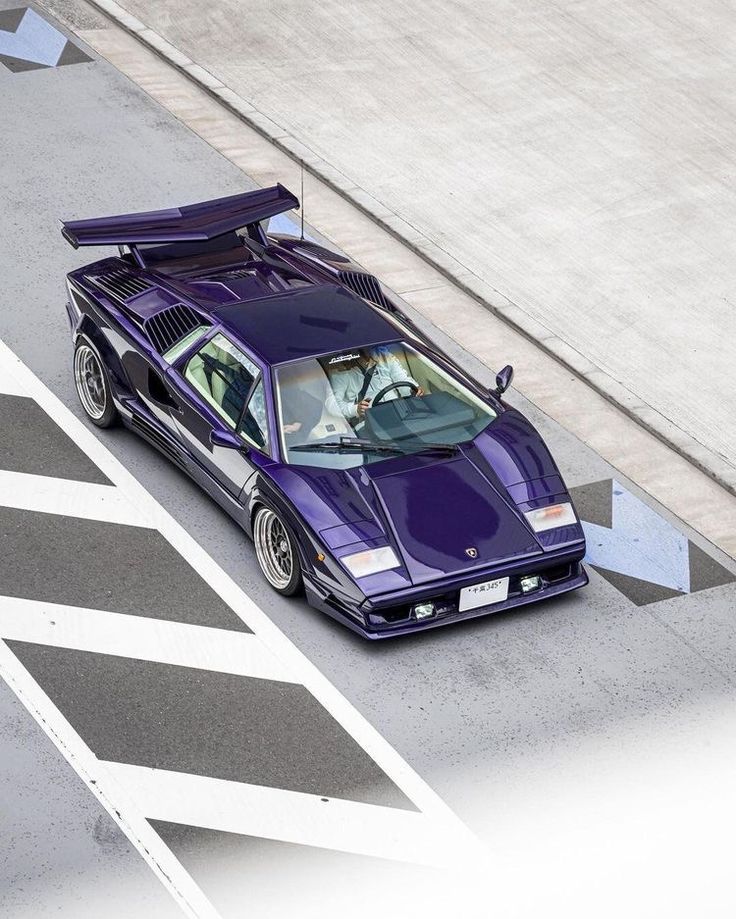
[
  {"x": 87, "y": 500},
  {"x": 11, "y": 386},
  {"x": 288, "y": 816},
  {"x": 139, "y": 637},
  {"x": 456, "y": 834},
  {"x": 113, "y": 796}
]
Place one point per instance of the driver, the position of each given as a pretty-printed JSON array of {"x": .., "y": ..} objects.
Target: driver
[{"x": 356, "y": 385}]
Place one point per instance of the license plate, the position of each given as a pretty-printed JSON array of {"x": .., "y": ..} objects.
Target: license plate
[{"x": 483, "y": 594}]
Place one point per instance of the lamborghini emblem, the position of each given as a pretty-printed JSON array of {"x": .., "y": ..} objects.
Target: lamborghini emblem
[{"x": 471, "y": 552}]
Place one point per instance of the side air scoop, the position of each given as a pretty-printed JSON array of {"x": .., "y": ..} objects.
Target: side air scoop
[{"x": 190, "y": 223}]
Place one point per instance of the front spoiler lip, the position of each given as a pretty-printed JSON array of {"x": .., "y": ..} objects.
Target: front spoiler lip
[
  {"x": 552, "y": 591},
  {"x": 409, "y": 628}
]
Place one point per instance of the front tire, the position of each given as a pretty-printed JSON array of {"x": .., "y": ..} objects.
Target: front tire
[
  {"x": 93, "y": 385},
  {"x": 276, "y": 552}
]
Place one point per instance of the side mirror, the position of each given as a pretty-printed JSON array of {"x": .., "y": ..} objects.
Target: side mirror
[
  {"x": 503, "y": 379},
  {"x": 221, "y": 437}
]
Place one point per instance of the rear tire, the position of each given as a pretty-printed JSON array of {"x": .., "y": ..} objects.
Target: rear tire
[
  {"x": 93, "y": 384},
  {"x": 276, "y": 552}
]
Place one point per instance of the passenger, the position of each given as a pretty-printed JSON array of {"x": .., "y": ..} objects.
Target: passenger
[
  {"x": 300, "y": 412},
  {"x": 355, "y": 387},
  {"x": 301, "y": 409}
]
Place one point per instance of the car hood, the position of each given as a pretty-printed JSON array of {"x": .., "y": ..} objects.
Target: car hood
[
  {"x": 443, "y": 514},
  {"x": 449, "y": 517}
]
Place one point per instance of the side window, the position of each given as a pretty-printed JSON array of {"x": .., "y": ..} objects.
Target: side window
[
  {"x": 224, "y": 376},
  {"x": 254, "y": 426},
  {"x": 181, "y": 346}
]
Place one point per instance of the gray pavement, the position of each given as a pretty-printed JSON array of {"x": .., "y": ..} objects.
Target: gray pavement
[
  {"x": 568, "y": 164},
  {"x": 61, "y": 853},
  {"x": 500, "y": 715}
]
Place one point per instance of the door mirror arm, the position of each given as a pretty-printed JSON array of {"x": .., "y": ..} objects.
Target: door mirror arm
[{"x": 221, "y": 437}]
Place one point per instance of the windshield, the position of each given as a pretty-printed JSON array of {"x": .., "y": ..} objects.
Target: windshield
[{"x": 361, "y": 406}]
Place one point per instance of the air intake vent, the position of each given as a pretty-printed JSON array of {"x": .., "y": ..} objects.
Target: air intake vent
[
  {"x": 170, "y": 325},
  {"x": 121, "y": 284},
  {"x": 364, "y": 285}
]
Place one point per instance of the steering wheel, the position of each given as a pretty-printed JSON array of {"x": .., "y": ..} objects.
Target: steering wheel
[{"x": 378, "y": 398}]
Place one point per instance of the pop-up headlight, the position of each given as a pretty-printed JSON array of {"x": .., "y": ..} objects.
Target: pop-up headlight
[
  {"x": 370, "y": 561},
  {"x": 550, "y": 517}
]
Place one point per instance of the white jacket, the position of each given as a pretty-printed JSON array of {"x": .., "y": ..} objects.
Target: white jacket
[{"x": 346, "y": 384}]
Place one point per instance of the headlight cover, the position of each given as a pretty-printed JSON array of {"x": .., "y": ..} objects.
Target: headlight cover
[
  {"x": 551, "y": 517},
  {"x": 370, "y": 561}
]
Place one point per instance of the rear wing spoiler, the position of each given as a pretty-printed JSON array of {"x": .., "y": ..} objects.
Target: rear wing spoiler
[{"x": 191, "y": 223}]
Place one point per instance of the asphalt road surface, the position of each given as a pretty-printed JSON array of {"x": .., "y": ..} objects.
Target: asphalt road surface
[{"x": 583, "y": 737}]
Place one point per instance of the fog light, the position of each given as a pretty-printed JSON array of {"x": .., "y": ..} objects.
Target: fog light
[
  {"x": 529, "y": 583},
  {"x": 423, "y": 611}
]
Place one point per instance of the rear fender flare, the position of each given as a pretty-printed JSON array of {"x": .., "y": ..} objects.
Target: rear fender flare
[{"x": 118, "y": 378}]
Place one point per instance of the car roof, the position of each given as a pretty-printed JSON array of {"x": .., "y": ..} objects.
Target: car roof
[{"x": 306, "y": 322}]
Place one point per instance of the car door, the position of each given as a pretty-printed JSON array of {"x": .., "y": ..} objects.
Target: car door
[
  {"x": 147, "y": 377},
  {"x": 220, "y": 387}
]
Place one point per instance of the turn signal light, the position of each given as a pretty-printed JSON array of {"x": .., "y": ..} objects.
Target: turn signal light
[{"x": 550, "y": 517}]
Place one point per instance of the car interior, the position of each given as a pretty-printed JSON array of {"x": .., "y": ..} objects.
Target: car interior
[
  {"x": 225, "y": 379},
  {"x": 445, "y": 405}
]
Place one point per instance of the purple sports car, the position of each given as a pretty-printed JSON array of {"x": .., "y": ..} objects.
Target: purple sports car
[{"x": 370, "y": 470}]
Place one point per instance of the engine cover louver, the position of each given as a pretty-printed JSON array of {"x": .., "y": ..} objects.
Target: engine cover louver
[
  {"x": 170, "y": 325},
  {"x": 364, "y": 285},
  {"x": 121, "y": 284},
  {"x": 237, "y": 273}
]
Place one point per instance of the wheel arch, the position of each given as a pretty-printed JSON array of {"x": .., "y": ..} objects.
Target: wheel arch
[
  {"x": 261, "y": 498},
  {"x": 119, "y": 381}
]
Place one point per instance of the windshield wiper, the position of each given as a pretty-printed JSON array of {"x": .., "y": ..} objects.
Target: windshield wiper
[
  {"x": 436, "y": 448},
  {"x": 352, "y": 443},
  {"x": 361, "y": 443}
]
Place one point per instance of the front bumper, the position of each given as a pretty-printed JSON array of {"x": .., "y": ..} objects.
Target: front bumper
[{"x": 390, "y": 617}]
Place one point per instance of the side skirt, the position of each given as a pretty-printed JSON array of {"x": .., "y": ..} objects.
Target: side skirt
[{"x": 139, "y": 420}]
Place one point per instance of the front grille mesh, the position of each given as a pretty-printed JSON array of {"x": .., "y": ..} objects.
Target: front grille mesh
[
  {"x": 169, "y": 326},
  {"x": 121, "y": 284},
  {"x": 364, "y": 285}
]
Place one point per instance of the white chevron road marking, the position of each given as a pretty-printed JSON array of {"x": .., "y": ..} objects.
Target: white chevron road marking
[
  {"x": 267, "y": 651},
  {"x": 139, "y": 637},
  {"x": 302, "y": 669},
  {"x": 87, "y": 500},
  {"x": 10, "y": 385},
  {"x": 287, "y": 816},
  {"x": 113, "y": 796}
]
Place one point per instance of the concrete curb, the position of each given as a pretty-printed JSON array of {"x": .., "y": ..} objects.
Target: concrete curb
[{"x": 487, "y": 296}]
